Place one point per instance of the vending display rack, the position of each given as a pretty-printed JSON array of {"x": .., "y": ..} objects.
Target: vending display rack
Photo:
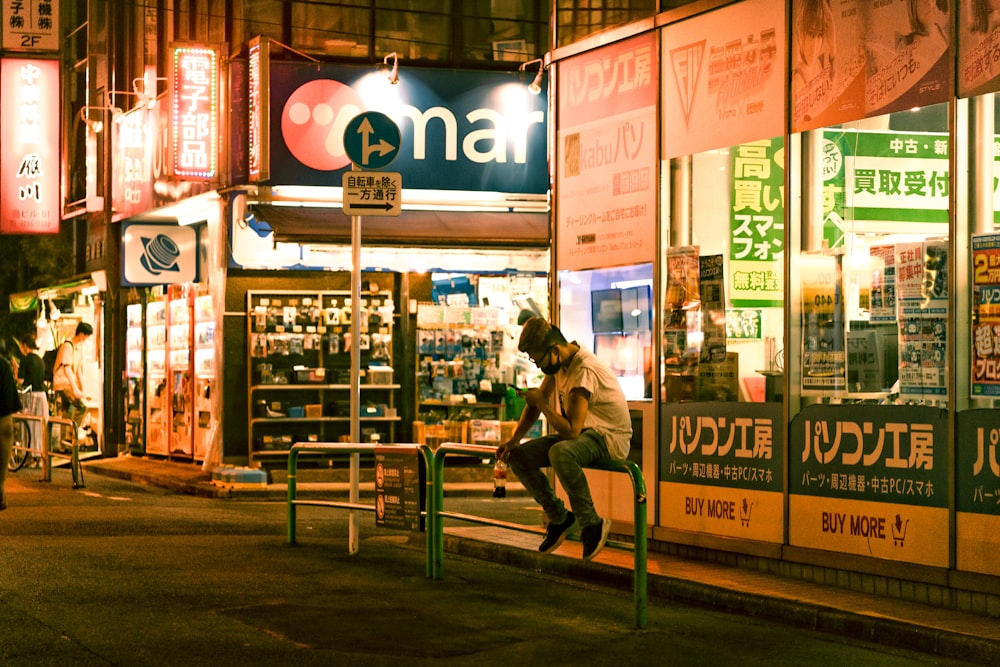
[{"x": 299, "y": 369}]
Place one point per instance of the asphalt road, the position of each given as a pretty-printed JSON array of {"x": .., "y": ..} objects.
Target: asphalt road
[{"x": 123, "y": 574}]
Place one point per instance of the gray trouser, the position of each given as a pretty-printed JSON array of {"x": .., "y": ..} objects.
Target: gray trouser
[{"x": 567, "y": 458}]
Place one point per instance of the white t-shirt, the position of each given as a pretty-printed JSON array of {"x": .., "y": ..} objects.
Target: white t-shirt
[{"x": 607, "y": 411}]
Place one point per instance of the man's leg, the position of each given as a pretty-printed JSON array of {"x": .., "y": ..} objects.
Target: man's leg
[
  {"x": 526, "y": 462},
  {"x": 568, "y": 458}
]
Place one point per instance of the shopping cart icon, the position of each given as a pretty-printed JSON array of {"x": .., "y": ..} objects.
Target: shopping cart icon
[{"x": 899, "y": 531}]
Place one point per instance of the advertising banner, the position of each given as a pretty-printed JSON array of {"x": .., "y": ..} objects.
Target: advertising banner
[
  {"x": 977, "y": 491},
  {"x": 460, "y": 130},
  {"x": 986, "y": 315},
  {"x": 823, "y": 334},
  {"x": 883, "y": 182},
  {"x": 724, "y": 78},
  {"x": 853, "y": 59},
  {"x": 922, "y": 313},
  {"x": 828, "y": 63},
  {"x": 29, "y": 133},
  {"x": 606, "y": 157},
  {"x": 978, "y": 42},
  {"x": 870, "y": 480},
  {"x": 720, "y": 469},
  {"x": 757, "y": 225},
  {"x": 909, "y": 61}
]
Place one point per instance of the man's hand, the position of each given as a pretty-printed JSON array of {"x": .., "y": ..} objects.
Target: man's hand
[{"x": 503, "y": 450}]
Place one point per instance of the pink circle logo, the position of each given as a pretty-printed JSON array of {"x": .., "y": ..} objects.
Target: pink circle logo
[{"x": 313, "y": 122}]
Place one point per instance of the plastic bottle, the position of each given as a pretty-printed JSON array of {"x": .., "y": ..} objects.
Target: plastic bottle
[{"x": 500, "y": 479}]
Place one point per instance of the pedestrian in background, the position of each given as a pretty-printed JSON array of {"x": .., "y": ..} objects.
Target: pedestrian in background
[
  {"x": 31, "y": 372},
  {"x": 591, "y": 423},
  {"x": 67, "y": 374},
  {"x": 10, "y": 402}
]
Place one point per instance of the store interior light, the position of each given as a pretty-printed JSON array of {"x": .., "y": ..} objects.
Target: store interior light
[
  {"x": 535, "y": 87},
  {"x": 393, "y": 74}
]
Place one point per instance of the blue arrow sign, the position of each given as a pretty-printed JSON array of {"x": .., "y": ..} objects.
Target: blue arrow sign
[{"x": 371, "y": 140}]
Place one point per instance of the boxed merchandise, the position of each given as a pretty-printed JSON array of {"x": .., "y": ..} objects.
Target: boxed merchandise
[
  {"x": 310, "y": 375},
  {"x": 296, "y": 411},
  {"x": 435, "y": 434},
  {"x": 373, "y": 410},
  {"x": 380, "y": 375},
  {"x": 314, "y": 410}
]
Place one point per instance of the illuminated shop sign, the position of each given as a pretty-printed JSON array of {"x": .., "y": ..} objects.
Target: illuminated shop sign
[
  {"x": 159, "y": 254},
  {"x": 29, "y": 134},
  {"x": 460, "y": 130},
  {"x": 259, "y": 130},
  {"x": 133, "y": 168},
  {"x": 194, "y": 119}
]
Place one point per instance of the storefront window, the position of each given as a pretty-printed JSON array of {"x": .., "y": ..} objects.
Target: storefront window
[
  {"x": 610, "y": 312},
  {"x": 871, "y": 280},
  {"x": 722, "y": 281},
  {"x": 437, "y": 31}
]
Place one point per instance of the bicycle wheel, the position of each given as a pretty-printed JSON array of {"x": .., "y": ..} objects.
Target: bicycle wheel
[{"x": 22, "y": 445}]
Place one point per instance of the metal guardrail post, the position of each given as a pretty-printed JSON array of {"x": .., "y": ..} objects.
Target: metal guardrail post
[
  {"x": 293, "y": 463},
  {"x": 352, "y": 449},
  {"x": 73, "y": 456}
]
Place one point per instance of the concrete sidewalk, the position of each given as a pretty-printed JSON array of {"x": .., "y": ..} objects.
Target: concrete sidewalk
[{"x": 887, "y": 620}]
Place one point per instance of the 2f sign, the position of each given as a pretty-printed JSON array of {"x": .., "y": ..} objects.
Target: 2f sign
[{"x": 31, "y": 26}]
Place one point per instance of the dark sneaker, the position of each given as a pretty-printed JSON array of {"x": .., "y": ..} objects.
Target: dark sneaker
[
  {"x": 594, "y": 537},
  {"x": 556, "y": 533}
]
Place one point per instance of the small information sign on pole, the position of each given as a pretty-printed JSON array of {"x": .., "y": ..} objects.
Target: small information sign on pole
[{"x": 372, "y": 193}]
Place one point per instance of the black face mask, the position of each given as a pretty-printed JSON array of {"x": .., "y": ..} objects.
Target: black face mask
[{"x": 552, "y": 368}]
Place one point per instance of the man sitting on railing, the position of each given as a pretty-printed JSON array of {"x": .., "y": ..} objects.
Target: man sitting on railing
[{"x": 591, "y": 422}]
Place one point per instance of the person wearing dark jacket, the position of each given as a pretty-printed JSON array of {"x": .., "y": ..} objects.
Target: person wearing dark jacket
[
  {"x": 10, "y": 402},
  {"x": 35, "y": 402}
]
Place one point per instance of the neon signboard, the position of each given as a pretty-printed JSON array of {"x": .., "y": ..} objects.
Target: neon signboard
[
  {"x": 259, "y": 168},
  {"x": 29, "y": 134},
  {"x": 194, "y": 113}
]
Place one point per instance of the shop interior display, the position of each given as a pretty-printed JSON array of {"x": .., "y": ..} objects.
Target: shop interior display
[
  {"x": 299, "y": 367},
  {"x": 467, "y": 364}
]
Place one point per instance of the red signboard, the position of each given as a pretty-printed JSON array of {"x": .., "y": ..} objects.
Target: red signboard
[
  {"x": 194, "y": 118},
  {"x": 29, "y": 134}
]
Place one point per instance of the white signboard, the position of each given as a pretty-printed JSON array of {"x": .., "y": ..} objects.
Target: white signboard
[
  {"x": 606, "y": 157},
  {"x": 724, "y": 78},
  {"x": 31, "y": 25},
  {"x": 159, "y": 254},
  {"x": 373, "y": 193}
]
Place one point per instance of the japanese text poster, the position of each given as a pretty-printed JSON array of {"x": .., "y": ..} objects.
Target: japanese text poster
[
  {"x": 605, "y": 204},
  {"x": 757, "y": 225},
  {"x": 721, "y": 469},
  {"x": 870, "y": 480},
  {"x": 823, "y": 355},
  {"x": 986, "y": 315},
  {"x": 922, "y": 312}
]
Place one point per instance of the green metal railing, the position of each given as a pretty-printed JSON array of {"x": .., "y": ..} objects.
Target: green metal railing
[
  {"x": 435, "y": 525},
  {"x": 353, "y": 504},
  {"x": 71, "y": 443}
]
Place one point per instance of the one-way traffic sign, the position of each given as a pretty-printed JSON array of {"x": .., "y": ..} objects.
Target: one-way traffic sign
[{"x": 373, "y": 193}]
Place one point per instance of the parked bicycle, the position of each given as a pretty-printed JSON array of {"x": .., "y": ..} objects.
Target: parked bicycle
[{"x": 21, "y": 452}]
